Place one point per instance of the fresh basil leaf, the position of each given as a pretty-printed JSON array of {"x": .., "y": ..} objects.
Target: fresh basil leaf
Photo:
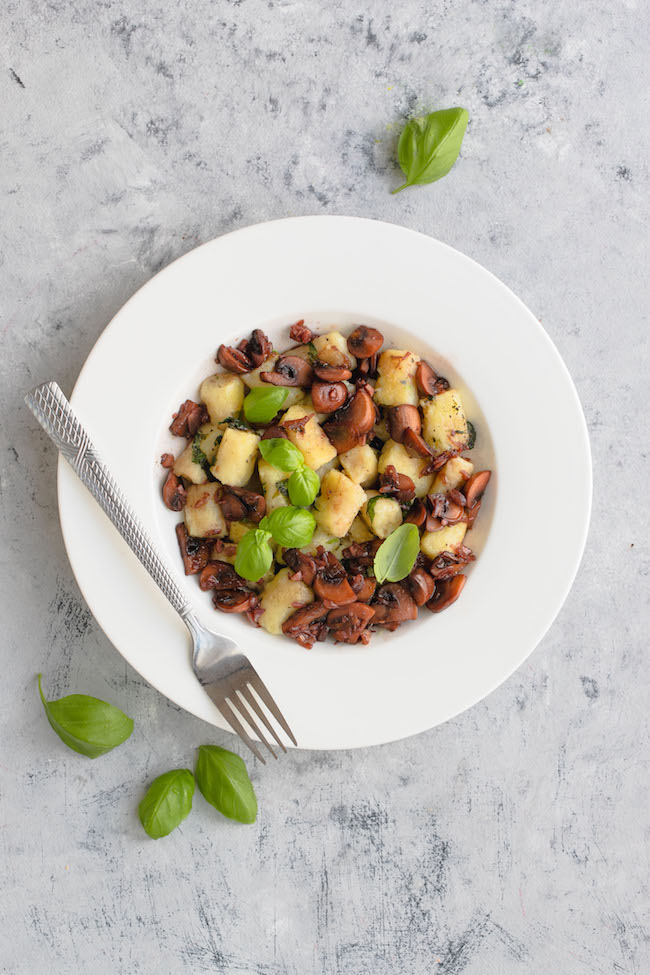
[
  {"x": 292, "y": 527},
  {"x": 262, "y": 404},
  {"x": 281, "y": 453},
  {"x": 397, "y": 554},
  {"x": 471, "y": 429},
  {"x": 86, "y": 724},
  {"x": 254, "y": 555},
  {"x": 223, "y": 781},
  {"x": 428, "y": 147},
  {"x": 167, "y": 803},
  {"x": 303, "y": 486}
]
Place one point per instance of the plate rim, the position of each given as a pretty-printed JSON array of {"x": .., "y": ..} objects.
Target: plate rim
[{"x": 572, "y": 569}]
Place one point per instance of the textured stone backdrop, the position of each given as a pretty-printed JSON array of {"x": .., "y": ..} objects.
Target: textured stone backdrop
[{"x": 512, "y": 839}]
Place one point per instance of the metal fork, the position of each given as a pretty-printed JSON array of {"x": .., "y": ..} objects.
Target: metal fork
[{"x": 225, "y": 673}]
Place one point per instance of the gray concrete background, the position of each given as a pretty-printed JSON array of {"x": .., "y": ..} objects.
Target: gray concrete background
[{"x": 512, "y": 839}]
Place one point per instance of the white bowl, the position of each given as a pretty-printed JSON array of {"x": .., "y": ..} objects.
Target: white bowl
[{"x": 422, "y": 295}]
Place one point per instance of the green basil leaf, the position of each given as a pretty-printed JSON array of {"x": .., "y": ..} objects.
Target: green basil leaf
[
  {"x": 428, "y": 147},
  {"x": 397, "y": 554},
  {"x": 370, "y": 504},
  {"x": 223, "y": 781},
  {"x": 292, "y": 527},
  {"x": 236, "y": 424},
  {"x": 281, "y": 453},
  {"x": 86, "y": 724},
  {"x": 254, "y": 555},
  {"x": 303, "y": 486},
  {"x": 167, "y": 803},
  {"x": 198, "y": 457},
  {"x": 471, "y": 430},
  {"x": 262, "y": 404}
]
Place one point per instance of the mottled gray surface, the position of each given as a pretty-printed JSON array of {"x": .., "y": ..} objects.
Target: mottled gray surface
[{"x": 514, "y": 838}]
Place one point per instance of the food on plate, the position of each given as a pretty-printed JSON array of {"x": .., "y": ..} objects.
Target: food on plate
[{"x": 325, "y": 489}]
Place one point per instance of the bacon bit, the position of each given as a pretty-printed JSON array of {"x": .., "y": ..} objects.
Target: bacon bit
[
  {"x": 194, "y": 551},
  {"x": 188, "y": 419},
  {"x": 203, "y": 500},
  {"x": 298, "y": 425},
  {"x": 301, "y": 333},
  {"x": 167, "y": 460},
  {"x": 254, "y": 614},
  {"x": 173, "y": 493},
  {"x": 348, "y": 623},
  {"x": 307, "y": 625},
  {"x": 398, "y": 486},
  {"x": 438, "y": 462}
]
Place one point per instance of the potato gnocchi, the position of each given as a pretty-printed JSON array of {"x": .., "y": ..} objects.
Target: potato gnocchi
[{"x": 284, "y": 516}]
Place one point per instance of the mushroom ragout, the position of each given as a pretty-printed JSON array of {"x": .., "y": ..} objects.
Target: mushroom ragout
[{"x": 343, "y": 441}]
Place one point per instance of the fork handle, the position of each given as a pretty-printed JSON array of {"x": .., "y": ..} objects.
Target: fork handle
[{"x": 56, "y": 416}]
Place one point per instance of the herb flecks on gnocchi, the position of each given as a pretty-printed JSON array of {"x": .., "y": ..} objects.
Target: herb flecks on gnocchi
[{"x": 348, "y": 508}]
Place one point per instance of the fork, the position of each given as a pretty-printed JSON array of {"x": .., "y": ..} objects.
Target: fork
[{"x": 223, "y": 670}]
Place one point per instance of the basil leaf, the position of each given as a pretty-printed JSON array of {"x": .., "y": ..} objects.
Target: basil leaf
[
  {"x": 303, "y": 486},
  {"x": 254, "y": 556},
  {"x": 397, "y": 554},
  {"x": 428, "y": 147},
  {"x": 370, "y": 504},
  {"x": 198, "y": 456},
  {"x": 281, "y": 453},
  {"x": 223, "y": 781},
  {"x": 471, "y": 429},
  {"x": 86, "y": 724},
  {"x": 292, "y": 527},
  {"x": 236, "y": 424},
  {"x": 167, "y": 803},
  {"x": 261, "y": 405}
]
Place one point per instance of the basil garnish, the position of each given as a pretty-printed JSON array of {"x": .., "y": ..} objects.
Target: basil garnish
[
  {"x": 223, "y": 781},
  {"x": 86, "y": 724},
  {"x": 254, "y": 556},
  {"x": 471, "y": 429},
  {"x": 291, "y": 527},
  {"x": 428, "y": 147},
  {"x": 167, "y": 803},
  {"x": 281, "y": 453},
  {"x": 236, "y": 424},
  {"x": 370, "y": 504},
  {"x": 397, "y": 554},
  {"x": 261, "y": 405},
  {"x": 303, "y": 486}
]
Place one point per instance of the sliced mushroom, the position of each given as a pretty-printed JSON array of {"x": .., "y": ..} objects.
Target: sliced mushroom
[
  {"x": 475, "y": 487},
  {"x": 363, "y": 587},
  {"x": 417, "y": 513},
  {"x": 289, "y": 370},
  {"x": 361, "y": 555},
  {"x": 234, "y": 499},
  {"x": 441, "y": 506},
  {"x": 364, "y": 342},
  {"x": 471, "y": 513},
  {"x": 331, "y": 373},
  {"x": 258, "y": 348},
  {"x": 449, "y": 564},
  {"x": 438, "y": 461},
  {"x": 235, "y": 601},
  {"x": 188, "y": 419},
  {"x": 307, "y": 625},
  {"x": 446, "y": 593},
  {"x": 416, "y": 445},
  {"x": 393, "y": 605},
  {"x": 367, "y": 368},
  {"x": 299, "y": 423},
  {"x": 234, "y": 359},
  {"x": 173, "y": 493},
  {"x": 220, "y": 575},
  {"x": 402, "y": 418},
  {"x": 331, "y": 584},
  {"x": 301, "y": 333},
  {"x": 275, "y": 431},
  {"x": 348, "y": 623},
  {"x": 328, "y": 397},
  {"x": 398, "y": 486},
  {"x": 429, "y": 384},
  {"x": 167, "y": 461},
  {"x": 303, "y": 566},
  {"x": 420, "y": 585},
  {"x": 350, "y": 425},
  {"x": 195, "y": 552}
]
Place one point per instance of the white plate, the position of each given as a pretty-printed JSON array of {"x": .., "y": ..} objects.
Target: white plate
[{"x": 424, "y": 296}]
